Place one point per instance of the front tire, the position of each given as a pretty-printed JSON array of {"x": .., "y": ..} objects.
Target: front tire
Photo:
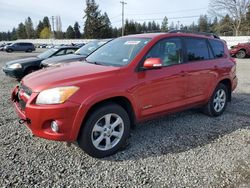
[
  {"x": 105, "y": 131},
  {"x": 241, "y": 54},
  {"x": 218, "y": 101}
]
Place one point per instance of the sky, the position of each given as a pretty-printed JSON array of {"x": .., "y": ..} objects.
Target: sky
[{"x": 12, "y": 12}]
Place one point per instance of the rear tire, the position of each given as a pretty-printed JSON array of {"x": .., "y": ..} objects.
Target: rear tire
[
  {"x": 105, "y": 131},
  {"x": 218, "y": 101},
  {"x": 241, "y": 54},
  {"x": 29, "y": 50},
  {"x": 9, "y": 50}
]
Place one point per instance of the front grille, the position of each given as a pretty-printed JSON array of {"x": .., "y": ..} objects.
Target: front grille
[{"x": 27, "y": 91}]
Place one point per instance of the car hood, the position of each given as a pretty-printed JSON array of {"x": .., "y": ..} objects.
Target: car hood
[
  {"x": 61, "y": 59},
  {"x": 69, "y": 74},
  {"x": 24, "y": 61}
]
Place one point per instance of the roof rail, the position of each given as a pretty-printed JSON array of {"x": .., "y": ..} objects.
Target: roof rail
[{"x": 213, "y": 35}]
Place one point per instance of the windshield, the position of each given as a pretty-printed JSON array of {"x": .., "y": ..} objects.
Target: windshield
[
  {"x": 118, "y": 52},
  {"x": 90, "y": 47},
  {"x": 47, "y": 53}
]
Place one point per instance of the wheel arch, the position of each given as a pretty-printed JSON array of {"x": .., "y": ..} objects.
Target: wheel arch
[
  {"x": 120, "y": 100},
  {"x": 228, "y": 83}
]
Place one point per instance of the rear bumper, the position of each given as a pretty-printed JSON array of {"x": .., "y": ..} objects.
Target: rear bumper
[
  {"x": 40, "y": 117},
  {"x": 15, "y": 73}
]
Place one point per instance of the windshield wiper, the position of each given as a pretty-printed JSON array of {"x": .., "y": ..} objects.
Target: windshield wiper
[{"x": 96, "y": 63}]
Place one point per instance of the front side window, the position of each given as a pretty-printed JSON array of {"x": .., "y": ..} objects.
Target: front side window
[
  {"x": 218, "y": 48},
  {"x": 118, "y": 52},
  {"x": 169, "y": 50},
  {"x": 197, "y": 49}
]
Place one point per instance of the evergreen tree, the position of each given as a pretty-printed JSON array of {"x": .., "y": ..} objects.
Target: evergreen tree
[
  {"x": 93, "y": 21},
  {"x": 46, "y": 22},
  {"x": 21, "y": 31},
  {"x": 171, "y": 27},
  {"x": 14, "y": 34},
  {"x": 70, "y": 34},
  {"x": 226, "y": 26},
  {"x": 164, "y": 25},
  {"x": 203, "y": 23},
  {"x": 29, "y": 28},
  {"x": 39, "y": 29},
  {"x": 77, "y": 30},
  {"x": 106, "y": 29},
  {"x": 149, "y": 27}
]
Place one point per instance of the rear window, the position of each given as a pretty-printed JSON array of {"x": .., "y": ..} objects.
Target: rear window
[
  {"x": 218, "y": 48},
  {"x": 197, "y": 49}
]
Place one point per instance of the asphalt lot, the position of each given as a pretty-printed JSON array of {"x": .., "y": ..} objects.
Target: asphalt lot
[{"x": 187, "y": 149}]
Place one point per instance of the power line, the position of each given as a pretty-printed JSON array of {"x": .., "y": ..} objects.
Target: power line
[{"x": 152, "y": 13}]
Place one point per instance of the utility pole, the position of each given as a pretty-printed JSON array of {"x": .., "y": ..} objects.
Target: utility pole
[
  {"x": 123, "y": 27},
  {"x": 53, "y": 31},
  {"x": 178, "y": 25}
]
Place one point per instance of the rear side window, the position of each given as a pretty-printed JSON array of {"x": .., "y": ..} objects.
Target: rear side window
[
  {"x": 218, "y": 48},
  {"x": 197, "y": 49}
]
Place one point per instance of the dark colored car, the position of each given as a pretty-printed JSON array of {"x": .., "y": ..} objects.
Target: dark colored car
[
  {"x": 20, "y": 46},
  {"x": 240, "y": 50},
  {"x": 21, "y": 67},
  {"x": 79, "y": 55},
  {"x": 129, "y": 80}
]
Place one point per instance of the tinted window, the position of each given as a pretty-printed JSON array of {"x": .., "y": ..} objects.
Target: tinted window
[
  {"x": 169, "y": 50},
  {"x": 197, "y": 49},
  {"x": 218, "y": 48}
]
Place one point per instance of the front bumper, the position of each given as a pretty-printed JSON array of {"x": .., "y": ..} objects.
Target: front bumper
[
  {"x": 233, "y": 52},
  {"x": 15, "y": 73},
  {"x": 39, "y": 117}
]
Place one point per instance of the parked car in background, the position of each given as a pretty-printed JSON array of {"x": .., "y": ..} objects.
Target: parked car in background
[
  {"x": 21, "y": 67},
  {"x": 42, "y": 46},
  {"x": 240, "y": 50},
  {"x": 79, "y": 55},
  {"x": 128, "y": 80},
  {"x": 20, "y": 46},
  {"x": 3, "y": 45}
]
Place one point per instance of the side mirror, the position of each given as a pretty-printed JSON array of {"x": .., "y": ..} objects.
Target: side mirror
[{"x": 152, "y": 63}]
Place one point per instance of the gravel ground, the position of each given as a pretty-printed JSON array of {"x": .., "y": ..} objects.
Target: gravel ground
[{"x": 187, "y": 149}]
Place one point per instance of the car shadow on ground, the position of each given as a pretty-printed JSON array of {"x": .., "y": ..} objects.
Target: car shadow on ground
[{"x": 184, "y": 131}]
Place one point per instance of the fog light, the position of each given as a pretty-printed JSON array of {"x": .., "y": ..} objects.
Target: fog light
[{"x": 54, "y": 126}]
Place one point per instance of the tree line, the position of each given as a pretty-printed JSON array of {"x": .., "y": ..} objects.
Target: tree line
[{"x": 98, "y": 25}]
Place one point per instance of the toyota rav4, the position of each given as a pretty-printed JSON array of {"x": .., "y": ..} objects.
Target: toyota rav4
[{"x": 129, "y": 80}]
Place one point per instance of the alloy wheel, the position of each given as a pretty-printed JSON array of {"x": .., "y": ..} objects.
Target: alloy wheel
[
  {"x": 107, "y": 132},
  {"x": 219, "y": 100}
]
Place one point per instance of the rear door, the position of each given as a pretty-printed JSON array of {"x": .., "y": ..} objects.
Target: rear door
[{"x": 200, "y": 70}]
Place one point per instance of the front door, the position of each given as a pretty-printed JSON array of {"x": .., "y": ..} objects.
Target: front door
[{"x": 162, "y": 89}]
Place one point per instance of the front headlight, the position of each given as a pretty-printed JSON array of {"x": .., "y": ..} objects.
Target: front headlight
[
  {"x": 15, "y": 66},
  {"x": 56, "y": 95}
]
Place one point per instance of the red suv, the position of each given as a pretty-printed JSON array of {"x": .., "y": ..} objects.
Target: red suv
[
  {"x": 129, "y": 80},
  {"x": 240, "y": 50}
]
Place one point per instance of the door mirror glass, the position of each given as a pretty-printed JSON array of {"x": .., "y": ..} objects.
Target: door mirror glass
[{"x": 152, "y": 63}]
